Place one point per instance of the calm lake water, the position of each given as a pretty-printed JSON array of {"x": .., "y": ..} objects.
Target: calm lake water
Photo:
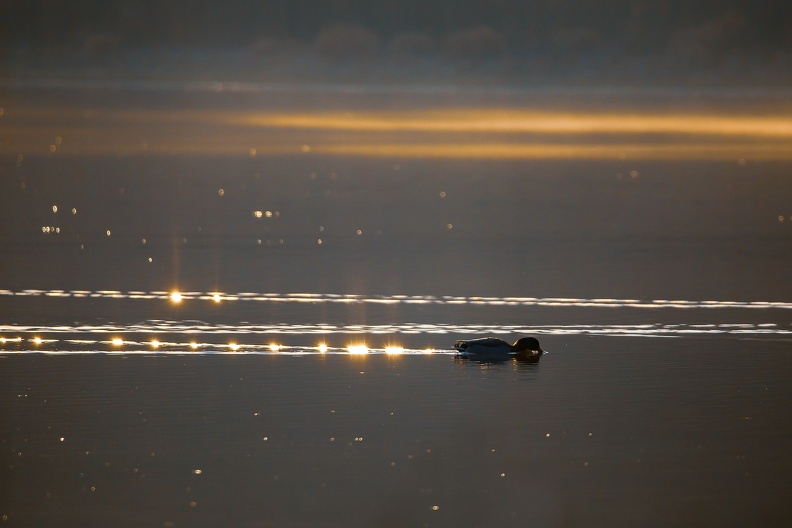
[{"x": 227, "y": 304}]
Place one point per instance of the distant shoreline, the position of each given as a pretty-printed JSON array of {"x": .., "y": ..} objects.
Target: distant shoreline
[
  {"x": 72, "y": 81},
  {"x": 306, "y": 68}
]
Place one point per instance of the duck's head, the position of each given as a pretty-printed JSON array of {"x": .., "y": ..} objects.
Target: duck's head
[{"x": 528, "y": 346}]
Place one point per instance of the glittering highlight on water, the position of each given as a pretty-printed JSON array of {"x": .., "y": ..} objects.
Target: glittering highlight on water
[
  {"x": 252, "y": 338},
  {"x": 178, "y": 297}
]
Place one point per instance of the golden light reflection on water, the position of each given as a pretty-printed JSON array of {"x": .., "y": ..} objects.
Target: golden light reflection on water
[
  {"x": 594, "y": 151},
  {"x": 358, "y": 349},
  {"x": 241, "y": 339},
  {"x": 493, "y": 133},
  {"x": 175, "y": 336},
  {"x": 517, "y": 120}
]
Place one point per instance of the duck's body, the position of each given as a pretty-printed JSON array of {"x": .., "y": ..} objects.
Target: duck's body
[{"x": 496, "y": 349}]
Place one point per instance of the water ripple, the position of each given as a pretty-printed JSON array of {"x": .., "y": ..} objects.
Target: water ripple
[
  {"x": 218, "y": 297},
  {"x": 198, "y": 327},
  {"x": 179, "y": 337}
]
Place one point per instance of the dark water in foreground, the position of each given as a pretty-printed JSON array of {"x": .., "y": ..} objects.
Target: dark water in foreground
[
  {"x": 649, "y": 255},
  {"x": 603, "y": 431}
]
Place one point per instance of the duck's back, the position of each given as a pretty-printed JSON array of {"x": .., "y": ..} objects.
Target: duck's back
[
  {"x": 481, "y": 344},
  {"x": 484, "y": 342}
]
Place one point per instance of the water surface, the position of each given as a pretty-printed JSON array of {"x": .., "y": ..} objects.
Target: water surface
[
  {"x": 234, "y": 305},
  {"x": 602, "y": 431}
]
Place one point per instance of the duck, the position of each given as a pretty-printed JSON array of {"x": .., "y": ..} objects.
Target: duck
[{"x": 496, "y": 349}]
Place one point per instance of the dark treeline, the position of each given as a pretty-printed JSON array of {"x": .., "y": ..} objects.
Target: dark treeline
[{"x": 513, "y": 26}]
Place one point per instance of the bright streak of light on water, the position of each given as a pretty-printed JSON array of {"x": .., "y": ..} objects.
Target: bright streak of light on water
[
  {"x": 402, "y": 299},
  {"x": 174, "y": 336},
  {"x": 252, "y": 339}
]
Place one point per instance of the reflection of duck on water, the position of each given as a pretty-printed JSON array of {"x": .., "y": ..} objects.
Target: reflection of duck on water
[{"x": 495, "y": 349}]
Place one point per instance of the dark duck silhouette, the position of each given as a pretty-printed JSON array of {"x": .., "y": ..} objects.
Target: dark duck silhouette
[{"x": 496, "y": 349}]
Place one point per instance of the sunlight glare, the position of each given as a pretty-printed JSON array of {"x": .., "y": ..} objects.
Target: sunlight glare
[
  {"x": 176, "y": 297},
  {"x": 394, "y": 350},
  {"x": 322, "y": 348},
  {"x": 358, "y": 349},
  {"x": 117, "y": 341}
]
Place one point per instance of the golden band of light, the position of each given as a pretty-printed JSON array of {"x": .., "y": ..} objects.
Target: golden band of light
[
  {"x": 479, "y": 133},
  {"x": 465, "y": 120},
  {"x": 511, "y": 120},
  {"x": 489, "y": 151},
  {"x": 117, "y": 345},
  {"x": 709, "y": 151}
]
